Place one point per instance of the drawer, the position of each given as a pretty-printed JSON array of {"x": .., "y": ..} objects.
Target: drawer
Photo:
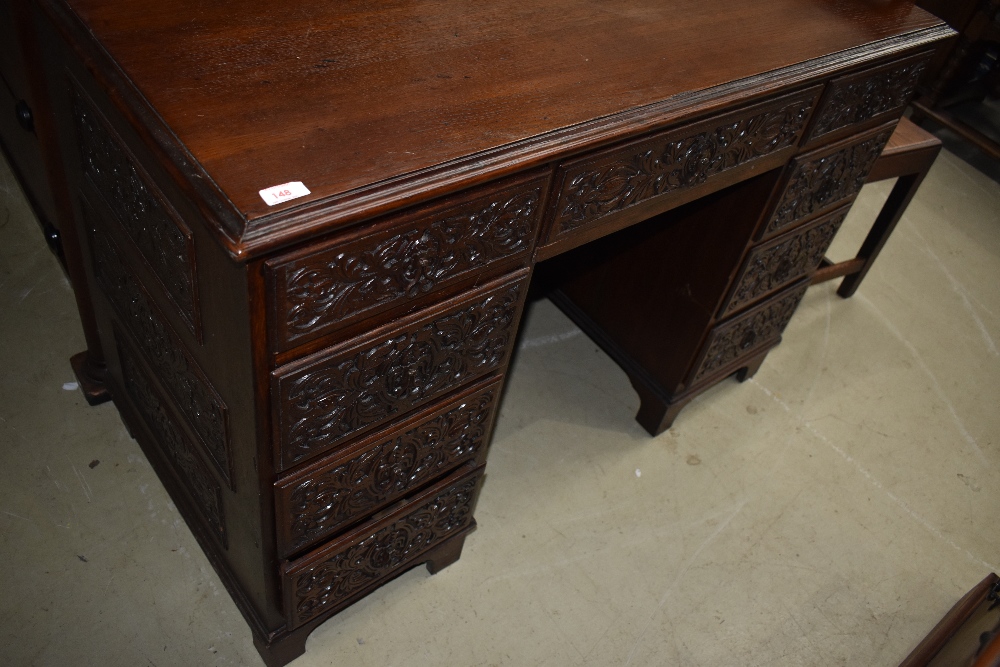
[
  {"x": 139, "y": 210},
  {"x": 392, "y": 263},
  {"x": 190, "y": 390},
  {"x": 345, "y": 391},
  {"x": 774, "y": 264},
  {"x": 642, "y": 178},
  {"x": 858, "y": 101},
  {"x": 354, "y": 564},
  {"x": 732, "y": 341},
  {"x": 817, "y": 182},
  {"x": 342, "y": 489}
]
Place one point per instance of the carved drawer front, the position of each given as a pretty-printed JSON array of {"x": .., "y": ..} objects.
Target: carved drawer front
[
  {"x": 776, "y": 263},
  {"x": 349, "y": 390},
  {"x": 186, "y": 384},
  {"x": 138, "y": 209},
  {"x": 817, "y": 182},
  {"x": 857, "y": 101},
  {"x": 354, "y": 564},
  {"x": 610, "y": 182},
  {"x": 344, "y": 488},
  {"x": 177, "y": 446},
  {"x": 734, "y": 340},
  {"x": 389, "y": 264}
]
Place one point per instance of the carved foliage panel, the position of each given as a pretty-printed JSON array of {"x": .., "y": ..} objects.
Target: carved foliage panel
[
  {"x": 177, "y": 371},
  {"x": 361, "y": 482},
  {"x": 678, "y": 160},
  {"x": 782, "y": 261},
  {"x": 316, "y": 293},
  {"x": 365, "y": 559},
  {"x": 730, "y": 341},
  {"x": 818, "y": 183},
  {"x": 163, "y": 241},
  {"x": 858, "y": 98},
  {"x": 354, "y": 390},
  {"x": 177, "y": 446}
]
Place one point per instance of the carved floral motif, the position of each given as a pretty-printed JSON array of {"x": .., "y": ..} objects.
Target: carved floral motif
[
  {"x": 352, "y": 391},
  {"x": 161, "y": 239},
  {"x": 656, "y": 168},
  {"x": 737, "y": 338},
  {"x": 357, "y": 567},
  {"x": 772, "y": 265},
  {"x": 330, "y": 498},
  {"x": 322, "y": 290},
  {"x": 177, "y": 371},
  {"x": 860, "y": 98},
  {"x": 175, "y": 444},
  {"x": 820, "y": 183}
]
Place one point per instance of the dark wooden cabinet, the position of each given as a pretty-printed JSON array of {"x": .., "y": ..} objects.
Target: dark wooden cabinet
[{"x": 316, "y": 382}]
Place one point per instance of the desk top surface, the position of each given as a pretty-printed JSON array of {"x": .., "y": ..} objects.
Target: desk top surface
[{"x": 349, "y": 94}]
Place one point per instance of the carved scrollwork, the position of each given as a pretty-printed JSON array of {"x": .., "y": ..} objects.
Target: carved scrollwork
[
  {"x": 177, "y": 371},
  {"x": 331, "y": 498},
  {"x": 859, "y": 98},
  {"x": 324, "y": 289},
  {"x": 820, "y": 183},
  {"x": 350, "y": 392},
  {"x": 782, "y": 261},
  {"x": 739, "y": 337},
  {"x": 162, "y": 240},
  {"x": 356, "y": 567},
  {"x": 665, "y": 165},
  {"x": 174, "y": 443}
]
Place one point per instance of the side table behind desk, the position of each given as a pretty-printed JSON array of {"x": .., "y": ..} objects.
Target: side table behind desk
[{"x": 316, "y": 383}]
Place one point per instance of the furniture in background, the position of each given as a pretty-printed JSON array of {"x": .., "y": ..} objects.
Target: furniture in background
[
  {"x": 28, "y": 140},
  {"x": 907, "y": 156},
  {"x": 313, "y": 369},
  {"x": 967, "y": 69},
  {"x": 968, "y": 635}
]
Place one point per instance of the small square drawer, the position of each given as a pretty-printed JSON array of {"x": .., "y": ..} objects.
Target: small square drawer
[
  {"x": 855, "y": 102},
  {"x": 774, "y": 264},
  {"x": 343, "y": 392},
  {"x": 356, "y": 563},
  {"x": 815, "y": 183},
  {"x": 394, "y": 262},
  {"x": 738, "y": 338},
  {"x": 344, "y": 488}
]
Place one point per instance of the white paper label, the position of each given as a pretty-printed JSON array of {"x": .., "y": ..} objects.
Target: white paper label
[{"x": 277, "y": 194}]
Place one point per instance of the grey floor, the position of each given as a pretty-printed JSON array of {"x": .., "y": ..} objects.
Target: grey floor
[{"x": 827, "y": 512}]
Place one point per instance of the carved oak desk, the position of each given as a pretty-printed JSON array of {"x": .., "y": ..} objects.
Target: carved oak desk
[{"x": 314, "y": 369}]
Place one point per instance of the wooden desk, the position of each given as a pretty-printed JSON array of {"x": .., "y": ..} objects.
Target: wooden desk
[{"x": 316, "y": 381}]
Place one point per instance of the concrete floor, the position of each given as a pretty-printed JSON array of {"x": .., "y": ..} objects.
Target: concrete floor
[{"x": 827, "y": 512}]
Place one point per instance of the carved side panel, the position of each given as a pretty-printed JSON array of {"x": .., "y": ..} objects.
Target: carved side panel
[
  {"x": 354, "y": 390},
  {"x": 782, "y": 261},
  {"x": 317, "y": 293},
  {"x": 179, "y": 449},
  {"x": 177, "y": 371},
  {"x": 163, "y": 241},
  {"x": 859, "y": 98},
  {"x": 680, "y": 159},
  {"x": 819, "y": 183},
  {"x": 364, "y": 559},
  {"x": 744, "y": 335},
  {"x": 364, "y": 479}
]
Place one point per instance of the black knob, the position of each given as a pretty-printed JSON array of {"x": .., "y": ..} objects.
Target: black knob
[
  {"x": 52, "y": 238},
  {"x": 24, "y": 116}
]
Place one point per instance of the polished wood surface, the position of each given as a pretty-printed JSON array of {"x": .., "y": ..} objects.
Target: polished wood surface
[
  {"x": 425, "y": 97},
  {"x": 316, "y": 383}
]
